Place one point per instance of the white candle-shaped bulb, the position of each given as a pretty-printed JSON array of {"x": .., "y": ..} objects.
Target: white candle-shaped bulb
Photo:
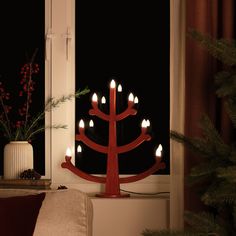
[
  {"x": 103, "y": 100},
  {"x": 79, "y": 149},
  {"x": 148, "y": 123},
  {"x": 136, "y": 100},
  {"x": 119, "y": 88},
  {"x": 131, "y": 97},
  {"x": 95, "y": 97},
  {"x": 91, "y": 123},
  {"x": 81, "y": 124},
  {"x": 159, "y": 150},
  {"x": 68, "y": 152},
  {"x": 113, "y": 84},
  {"x": 144, "y": 124}
]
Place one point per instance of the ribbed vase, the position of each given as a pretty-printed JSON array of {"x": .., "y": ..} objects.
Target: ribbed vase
[{"x": 18, "y": 156}]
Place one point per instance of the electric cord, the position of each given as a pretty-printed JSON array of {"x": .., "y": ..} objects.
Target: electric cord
[{"x": 150, "y": 194}]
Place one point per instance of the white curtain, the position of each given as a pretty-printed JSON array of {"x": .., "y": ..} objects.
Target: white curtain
[{"x": 177, "y": 76}]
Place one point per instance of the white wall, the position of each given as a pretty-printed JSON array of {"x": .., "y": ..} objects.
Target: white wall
[{"x": 129, "y": 216}]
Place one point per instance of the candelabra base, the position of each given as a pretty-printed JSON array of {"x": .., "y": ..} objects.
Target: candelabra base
[{"x": 106, "y": 195}]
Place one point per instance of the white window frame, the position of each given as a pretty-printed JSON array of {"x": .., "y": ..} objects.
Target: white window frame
[{"x": 177, "y": 110}]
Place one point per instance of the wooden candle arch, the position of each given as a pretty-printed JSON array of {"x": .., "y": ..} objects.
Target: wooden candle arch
[{"x": 112, "y": 180}]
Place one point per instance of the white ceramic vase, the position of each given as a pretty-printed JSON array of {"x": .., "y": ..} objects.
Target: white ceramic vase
[{"x": 18, "y": 156}]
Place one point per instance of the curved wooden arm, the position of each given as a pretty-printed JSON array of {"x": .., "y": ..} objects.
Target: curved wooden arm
[
  {"x": 68, "y": 165},
  {"x": 127, "y": 112},
  {"x": 125, "y": 148},
  {"x": 96, "y": 112},
  {"x": 157, "y": 166},
  {"x": 100, "y": 148}
]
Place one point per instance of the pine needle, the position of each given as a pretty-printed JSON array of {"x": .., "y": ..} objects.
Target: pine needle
[{"x": 220, "y": 49}]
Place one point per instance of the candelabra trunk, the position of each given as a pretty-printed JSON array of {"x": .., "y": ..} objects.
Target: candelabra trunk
[{"x": 112, "y": 187}]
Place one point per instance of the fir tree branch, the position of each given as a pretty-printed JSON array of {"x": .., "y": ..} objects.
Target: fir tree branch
[
  {"x": 192, "y": 180},
  {"x": 234, "y": 216},
  {"x": 219, "y": 149},
  {"x": 225, "y": 83},
  {"x": 232, "y": 155},
  {"x": 231, "y": 110},
  {"x": 204, "y": 169},
  {"x": 228, "y": 173},
  {"x": 203, "y": 222},
  {"x": 220, "y": 49},
  {"x": 210, "y": 146},
  {"x": 209, "y": 131},
  {"x": 196, "y": 145},
  {"x": 219, "y": 194}
]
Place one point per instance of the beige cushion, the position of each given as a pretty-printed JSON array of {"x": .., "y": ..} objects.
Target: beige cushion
[{"x": 66, "y": 212}]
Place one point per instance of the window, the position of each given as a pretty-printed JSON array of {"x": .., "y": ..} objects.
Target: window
[
  {"x": 128, "y": 42},
  {"x": 59, "y": 33}
]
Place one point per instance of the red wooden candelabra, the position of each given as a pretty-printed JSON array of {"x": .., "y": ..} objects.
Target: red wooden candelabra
[{"x": 112, "y": 180}]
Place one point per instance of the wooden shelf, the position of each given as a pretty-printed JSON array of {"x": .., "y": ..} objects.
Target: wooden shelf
[{"x": 25, "y": 183}]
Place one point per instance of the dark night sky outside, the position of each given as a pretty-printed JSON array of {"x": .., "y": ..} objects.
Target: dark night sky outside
[
  {"x": 21, "y": 33},
  {"x": 128, "y": 42}
]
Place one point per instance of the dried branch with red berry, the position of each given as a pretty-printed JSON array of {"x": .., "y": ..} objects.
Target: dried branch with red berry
[{"x": 25, "y": 128}]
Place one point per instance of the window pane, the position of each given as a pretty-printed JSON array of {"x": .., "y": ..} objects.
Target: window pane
[
  {"x": 22, "y": 27},
  {"x": 128, "y": 42}
]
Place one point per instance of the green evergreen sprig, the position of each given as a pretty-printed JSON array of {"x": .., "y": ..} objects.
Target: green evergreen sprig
[
  {"x": 225, "y": 83},
  {"x": 204, "y": 223},
  {"x": 228, "y": 173},
  {"x": 230, "y": 106},
  {"x": 33, "y": 126},
  {"x": 221, "y": 49},
  {"x": 201, "y": 224},
  {"x": 196, "y": 145},
  {"x": 220, "y": 193}
]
